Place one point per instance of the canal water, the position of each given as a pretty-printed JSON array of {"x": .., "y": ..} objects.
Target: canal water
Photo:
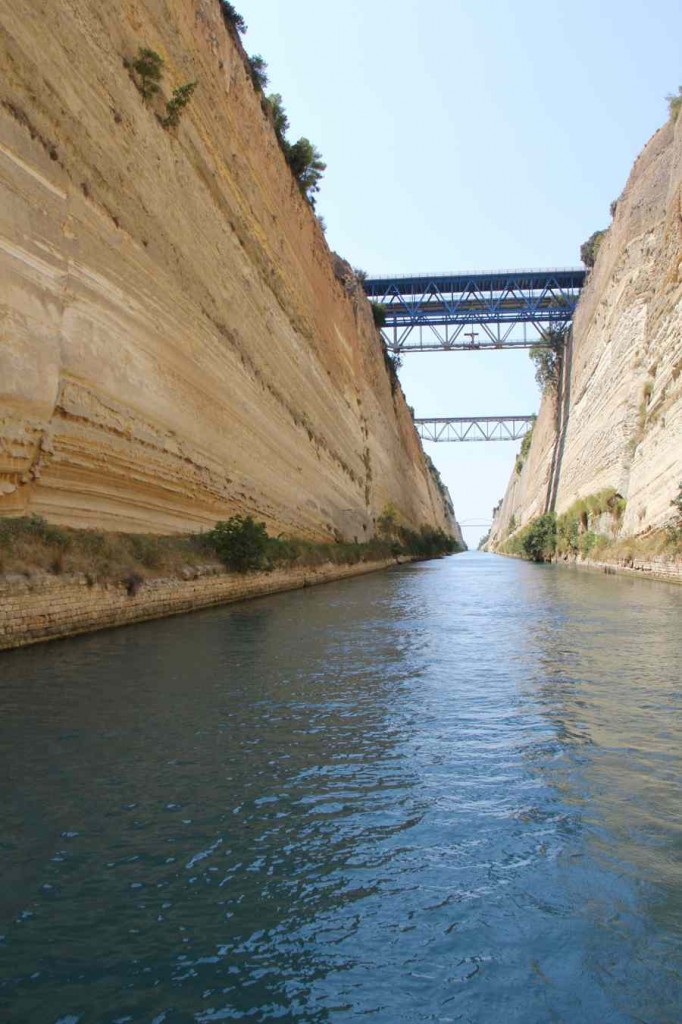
[{"x": 447, "y": 792}]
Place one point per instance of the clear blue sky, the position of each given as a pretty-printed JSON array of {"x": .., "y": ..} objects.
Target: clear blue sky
[{"x": 462, "y": 135}]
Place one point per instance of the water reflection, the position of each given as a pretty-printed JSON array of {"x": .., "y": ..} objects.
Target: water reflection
[{"x": 448, "y": 792}]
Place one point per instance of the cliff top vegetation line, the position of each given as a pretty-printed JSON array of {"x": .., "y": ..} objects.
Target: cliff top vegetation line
[{"x": 303, "y": 158}]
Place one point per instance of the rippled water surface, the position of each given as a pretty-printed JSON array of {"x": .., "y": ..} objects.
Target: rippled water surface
[{"x": 448, "y": 792}]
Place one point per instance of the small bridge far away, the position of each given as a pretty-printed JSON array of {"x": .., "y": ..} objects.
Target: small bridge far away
[
  {"x": 476, "y": 428},
  {"x": 491, "y": 310}
]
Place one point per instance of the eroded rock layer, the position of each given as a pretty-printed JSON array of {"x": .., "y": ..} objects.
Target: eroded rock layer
[
  {"x": 620, "y": 401},
  {"x": 178, "y": 343}
]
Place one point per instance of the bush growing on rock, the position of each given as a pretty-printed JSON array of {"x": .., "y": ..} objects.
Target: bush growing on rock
[
  {"x": 280, "y": 120},
  {"x": 547, "y": 365},
  {"x": 307, "y": 166},
  {"x": 378, "y": 314},
  {"x": 538, "y": 540},
  {"x": 232, "y": 18},
  {"x": 259, "y": 74},
  {"x": 177, "y": 103},
  {"x": 675, "y": 103},
  {"x": 524, "y": 450},
  {"x": 569, "y": 534},
  {"x": 30, "y": 544},
  {"x": 148, "y": 66},
  {"x": 392, "y": 362},
  {"x": 240, "y": 543},
  {"x": 305, "y": 161},
  {"x": 590, "y": 248}
]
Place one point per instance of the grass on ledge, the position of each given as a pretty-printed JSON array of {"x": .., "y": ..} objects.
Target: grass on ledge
[
  {"x": 31, "y": 544},
  {"x": 666, "y": 543}
]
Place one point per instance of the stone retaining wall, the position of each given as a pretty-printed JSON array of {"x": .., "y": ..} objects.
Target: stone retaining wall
[
  {"x": 46, "y": 607},
  {"x": 655, "y": 568},
  {"x": 658, "y": 567}
]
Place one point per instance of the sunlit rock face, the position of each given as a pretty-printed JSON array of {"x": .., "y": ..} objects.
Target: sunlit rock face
[
  {"x": 622, "y": 393},
  {"x": 178, "y": 342}
]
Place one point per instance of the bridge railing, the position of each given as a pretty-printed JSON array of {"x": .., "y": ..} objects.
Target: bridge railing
[{"x": 507, "y": 271}]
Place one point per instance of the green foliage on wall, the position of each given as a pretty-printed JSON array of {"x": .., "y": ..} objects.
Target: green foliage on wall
[
  {"x": 590, "y": 249},
  {"x": 568, "y": 534},
  {"x": 240, "y": 542},
  {"x": 177, "y": 103},
  {"x": 524, "y": 449},
  {"x": 148, "y": 66},
  {"x": 378, "y": 313},
  {"x": 547, "y": 359}
]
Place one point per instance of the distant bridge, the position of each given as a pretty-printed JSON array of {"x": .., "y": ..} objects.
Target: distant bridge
[
  {"x": 501, "y": 309},
  {"x": 474, "y": 428}
]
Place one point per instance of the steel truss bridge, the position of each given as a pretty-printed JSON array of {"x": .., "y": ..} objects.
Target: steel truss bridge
[
  {"x": 491, "y": 310},
  {"x": 474, "y": 428}
]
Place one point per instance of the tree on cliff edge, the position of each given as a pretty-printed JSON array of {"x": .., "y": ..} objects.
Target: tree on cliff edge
[{"x": 307, "y": 166}]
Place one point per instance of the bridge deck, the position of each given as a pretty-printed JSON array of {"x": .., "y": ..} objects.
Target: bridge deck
[
  {"x": 487, "y": 281},
  {"x": 474, "y": 428},
  {"x": 495, "y": 301}
]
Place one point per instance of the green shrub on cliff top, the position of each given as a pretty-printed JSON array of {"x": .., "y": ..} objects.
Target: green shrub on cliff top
[
  {"x": 307, "y": 166},
  {"x": 259, "y": 74},
  {"x": 231, "y": 17},
  {"x": 590, "y": 248},
  {"x": 305, "y": 161},
  {"x": 280, "y": 120},
  {"x": 675, "y": 103}
]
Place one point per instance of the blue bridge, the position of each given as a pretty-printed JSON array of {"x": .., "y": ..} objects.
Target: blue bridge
[{"x": 492, "y": 310}]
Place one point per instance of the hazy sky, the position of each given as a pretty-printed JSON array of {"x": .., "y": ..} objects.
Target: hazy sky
[{"x": 463, "y": 136}]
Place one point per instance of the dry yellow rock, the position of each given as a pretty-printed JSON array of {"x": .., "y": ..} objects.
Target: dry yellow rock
[
  {"x": 178, "y": 342},
  {"x": 622, "y": 390}
]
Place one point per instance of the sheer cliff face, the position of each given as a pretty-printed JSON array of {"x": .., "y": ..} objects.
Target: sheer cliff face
[
  {"x": 176, "y": 343},
  {"x": 622, "y": 392}
]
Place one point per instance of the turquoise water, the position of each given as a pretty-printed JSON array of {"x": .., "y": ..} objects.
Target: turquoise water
[{"x": 448, "y": 792}]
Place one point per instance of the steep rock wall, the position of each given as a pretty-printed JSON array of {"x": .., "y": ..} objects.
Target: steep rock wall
[
  {"x": 178, "y": 342},
  {"x": 620, "y": 400}
]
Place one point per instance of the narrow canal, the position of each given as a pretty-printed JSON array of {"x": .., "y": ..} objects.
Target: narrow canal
[{"x": 447, "y": 792}]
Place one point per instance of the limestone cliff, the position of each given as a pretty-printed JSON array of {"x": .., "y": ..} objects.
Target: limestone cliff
[
  {"x": 617, "y": 419},
  {"x": 178, "y": 342}
]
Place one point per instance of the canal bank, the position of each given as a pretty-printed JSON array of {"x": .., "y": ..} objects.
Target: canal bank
[
  {"x": 660, "y": 569},
  {"x": 45, "y": 606}
]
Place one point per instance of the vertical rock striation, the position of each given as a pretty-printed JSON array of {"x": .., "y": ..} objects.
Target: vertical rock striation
[
  {"x": 178, "y": 342},
  {"x": 620, "y": 401}
]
